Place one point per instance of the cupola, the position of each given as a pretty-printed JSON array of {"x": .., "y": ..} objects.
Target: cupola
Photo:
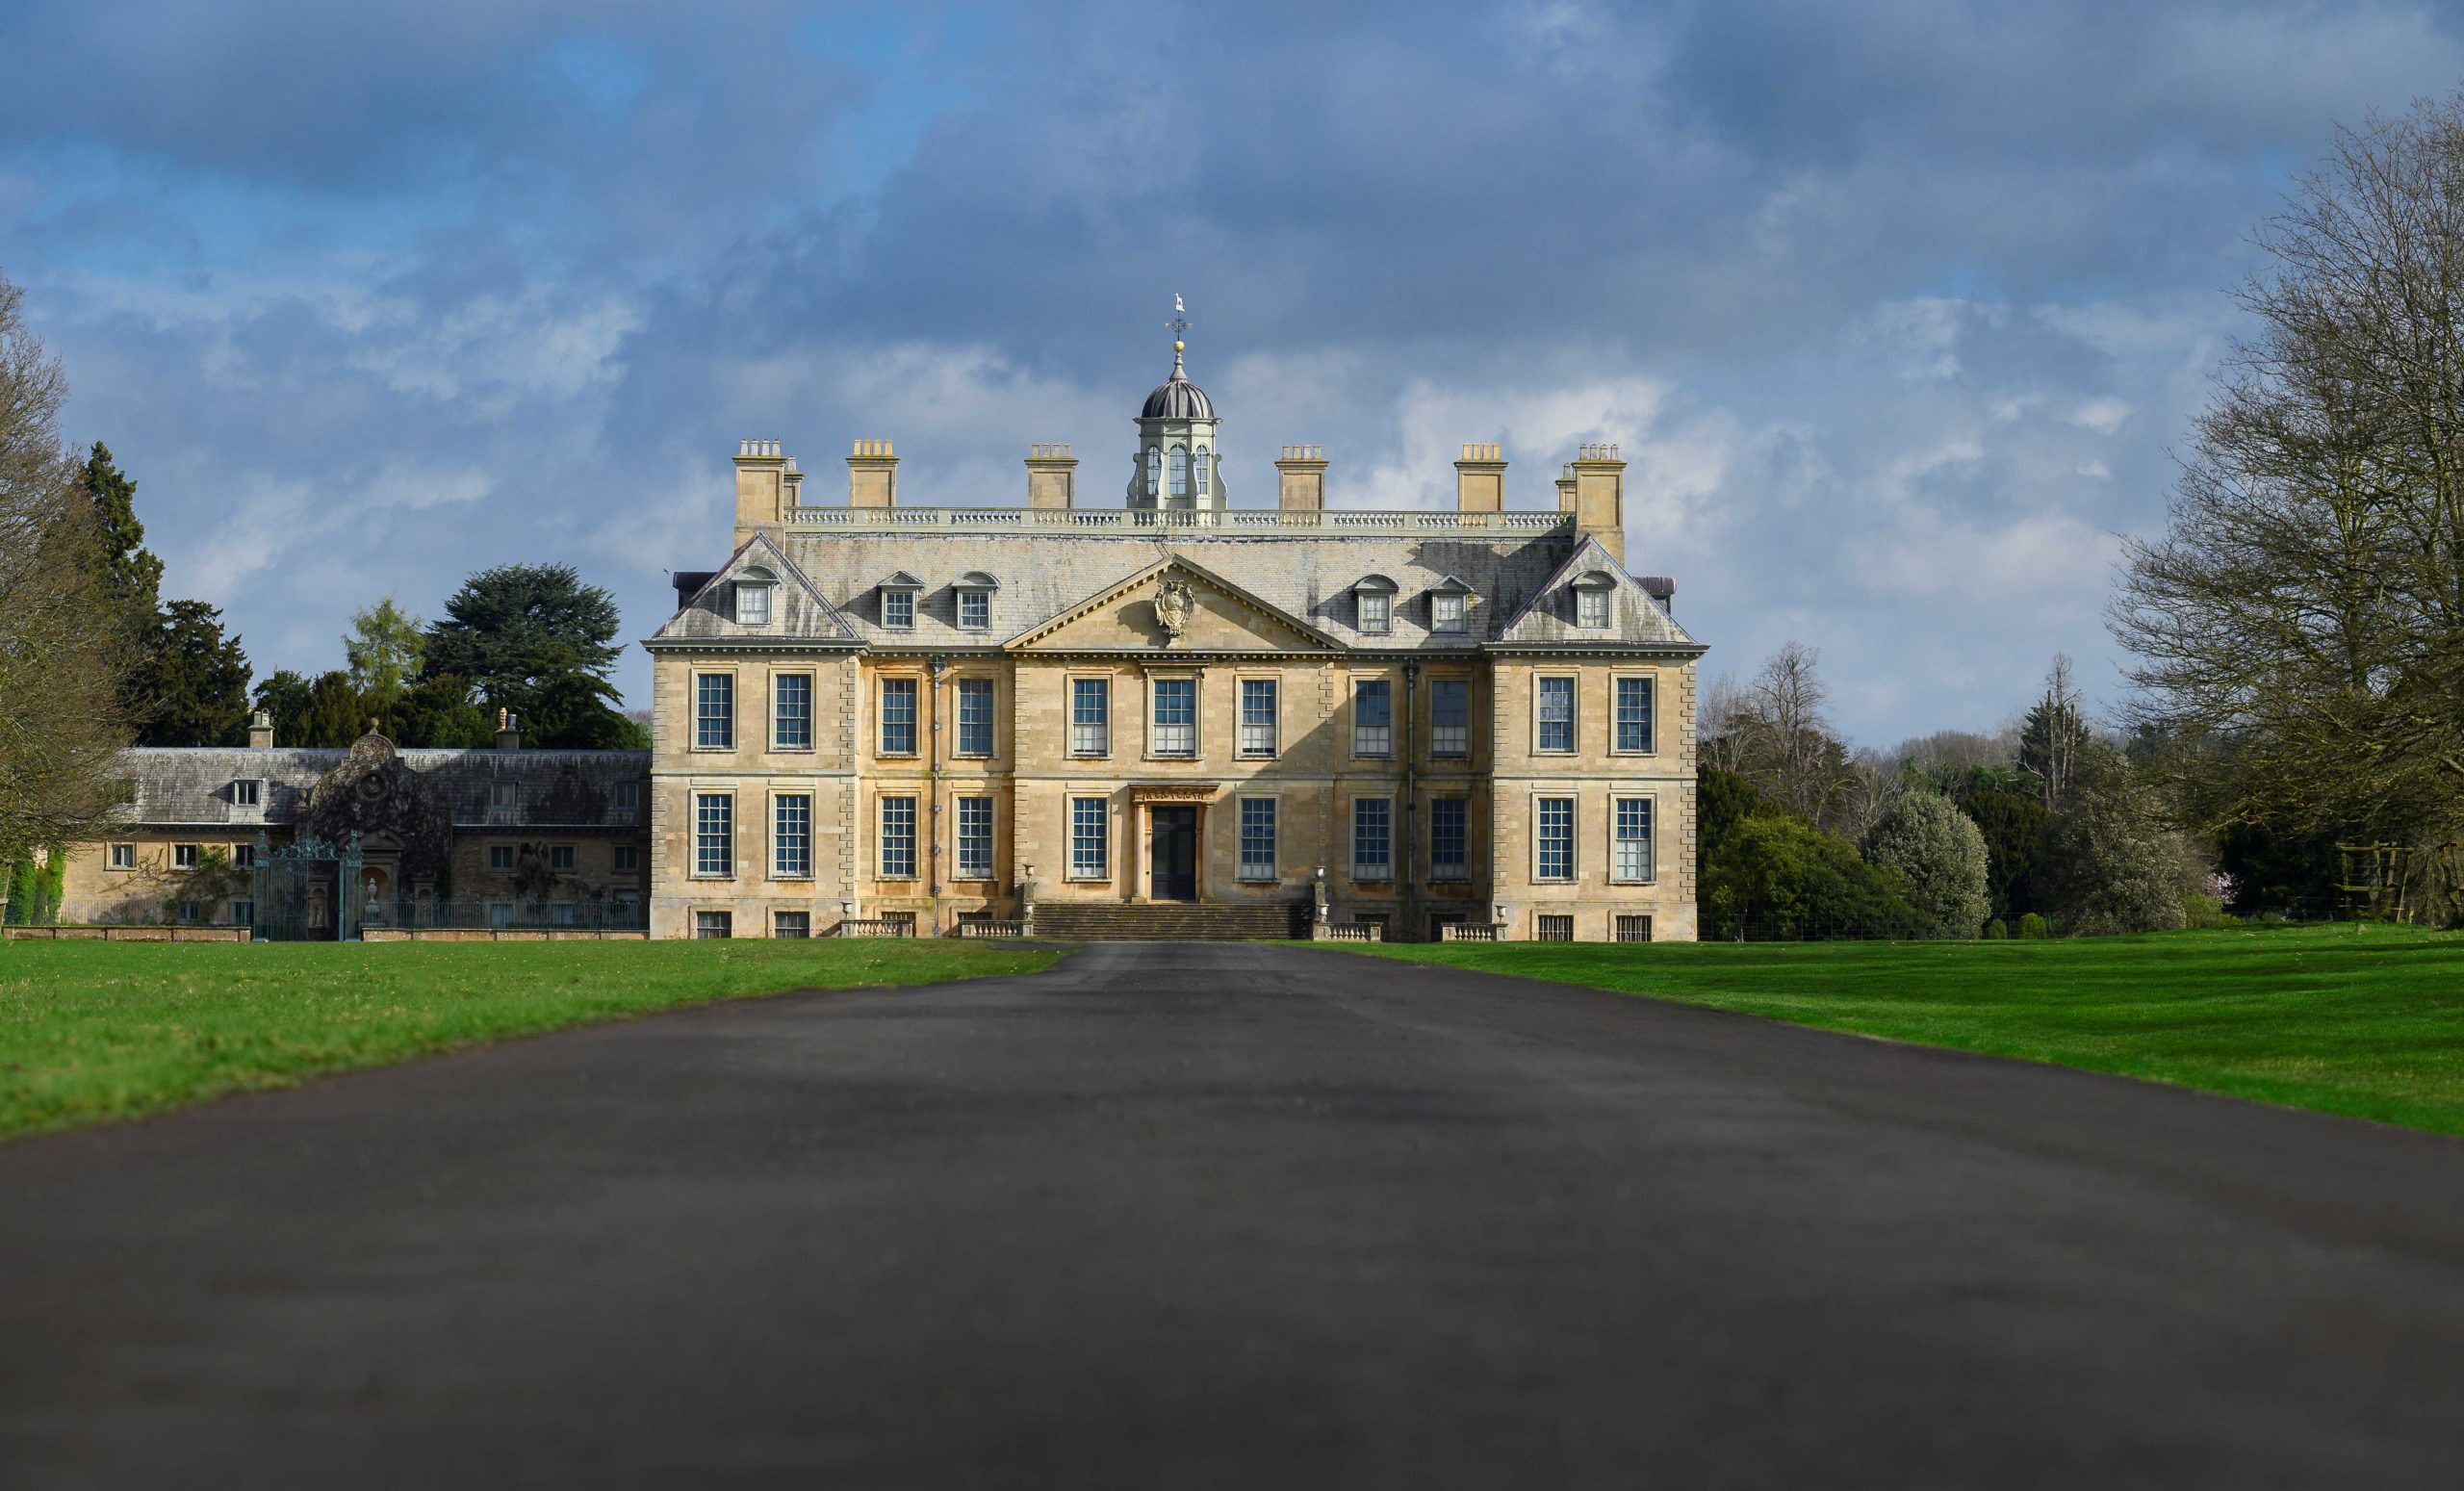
[{"x": 1177, "y": 465}]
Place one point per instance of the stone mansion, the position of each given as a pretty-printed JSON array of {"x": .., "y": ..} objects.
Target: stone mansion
[{"x": 1171, "y": 714}]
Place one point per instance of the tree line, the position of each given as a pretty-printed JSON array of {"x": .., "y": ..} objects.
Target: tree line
[
  {"x": 2046, "y": 825},
  {"x": 529, "y": 638},
  {"x": 94, "y": 658}
]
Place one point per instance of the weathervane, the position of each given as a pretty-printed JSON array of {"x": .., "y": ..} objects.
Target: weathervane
[{"x": 1179, "y": 326}]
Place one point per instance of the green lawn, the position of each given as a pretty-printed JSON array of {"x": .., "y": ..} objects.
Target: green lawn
[
  {"x": 2359, "y": 1019},
  {"x": 94, "y": 1031}
]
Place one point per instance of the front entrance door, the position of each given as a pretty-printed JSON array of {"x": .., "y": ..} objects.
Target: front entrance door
[{"x": 1174, "y": 851}]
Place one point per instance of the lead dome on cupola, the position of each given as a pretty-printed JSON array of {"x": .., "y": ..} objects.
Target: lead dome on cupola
[{"x": 1176, "y": 397}]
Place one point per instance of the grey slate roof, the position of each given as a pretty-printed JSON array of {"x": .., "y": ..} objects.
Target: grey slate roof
[
  {"x": 1310, "y": 576},
  {"x": 191, "y": 786}
]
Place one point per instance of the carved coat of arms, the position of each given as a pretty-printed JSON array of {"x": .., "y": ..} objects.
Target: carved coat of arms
[{"x": 1173, "y": 605}]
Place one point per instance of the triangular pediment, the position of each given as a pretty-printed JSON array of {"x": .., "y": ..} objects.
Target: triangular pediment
[
  {"x": 1131, "y": 614},
  {"x": 1548, "y": 617},
  {"x": 797, "y": 610}
]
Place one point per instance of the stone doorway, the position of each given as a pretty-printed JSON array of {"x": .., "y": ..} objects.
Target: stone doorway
[{"x": 1172, "y": 852}]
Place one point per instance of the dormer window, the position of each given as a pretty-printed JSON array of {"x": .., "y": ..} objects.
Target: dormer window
[
  {"x": 1373, "y": 603},
  {"x": 1450, "y": 602},
  {"x": 975, "y": 601},
  {"x": 248, "y": 792},
  {"x": 1591, "y": 600},
  {"x": 752, "y": 591},
  {"x": 898, "y": 601}
]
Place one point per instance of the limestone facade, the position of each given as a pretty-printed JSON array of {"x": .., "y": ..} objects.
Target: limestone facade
[{"x": 873, "y": 712}]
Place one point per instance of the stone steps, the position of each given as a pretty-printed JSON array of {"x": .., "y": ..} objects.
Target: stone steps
[{"x": 1177, "y": 922}]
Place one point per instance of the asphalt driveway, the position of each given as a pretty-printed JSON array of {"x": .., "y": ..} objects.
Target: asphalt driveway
[{"x": 1229, "y": 1216}]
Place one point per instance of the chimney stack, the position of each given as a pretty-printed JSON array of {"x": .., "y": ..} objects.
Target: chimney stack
[
  {"x": 1600, "y": 497},
  {"x": 1052, "y": 476},
  {"x": 764, "y": 487},
  {"x": 872, "y": 475},
  {"x": 1566, "y": 488},
  {"x": 1300, "y": 479},
  {"x": 508, "y": 730},
  {"x": 261, "y": 731},
  {"x": 1479, "y": 479}
]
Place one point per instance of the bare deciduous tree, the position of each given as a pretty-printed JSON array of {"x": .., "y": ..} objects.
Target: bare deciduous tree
[
  {"x": 60, "y": 664},
  {"x": 2300, "y": 628},
  {"x": 1774, "y": 734}
]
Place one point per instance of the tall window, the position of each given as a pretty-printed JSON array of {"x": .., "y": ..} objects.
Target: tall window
[
  {"x": 1632, "y": 840},
  {"x": 1446, "y": 613},
  {"x": 1180, "y": 470},
  {"x": 898, "y": 838},
  {"x": 898, "y": 609},
  {"x": 975, "y": 610},
  {"x": 1591, "y": 608},
  {"x": 1154, "y": 470},
  {"x": 791, "y": 836},
  {"x": 975, "y": 717},
  {"x": 1257, "y": 838},
  {"x": 714, "y": 711},
  {"x": 974, "y": 855},
  {"x": 1448, "y": 837},
  {"x": 1257, "y": 717},
  {"x": 1556, "y": 716},
  {"x": 1373, "y": 838},
  {"x": 1373, "y": 718},
  {"x": 1175, "y": 717},
  {"x": 898, "y": 717},
  {"x": 1091, "y": 716},
  {"x": 791, "y": 711},
  {"x": 1090, "y": 839},
  {"x": 1377, "y": 612},
  {"x": 713, "y": 835},
  {"x": 1203, "y": 476},
  {"x": 1552, "y": 837},
  {"x": 1449, "y": 717},
  {"x": 1635, "y": 714}
]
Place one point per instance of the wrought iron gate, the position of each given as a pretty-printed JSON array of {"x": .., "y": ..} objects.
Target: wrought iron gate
[{"x": 307, "y": 890}]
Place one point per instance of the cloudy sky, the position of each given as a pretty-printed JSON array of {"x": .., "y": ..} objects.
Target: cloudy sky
[{"x": 1895, "y": 306}]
